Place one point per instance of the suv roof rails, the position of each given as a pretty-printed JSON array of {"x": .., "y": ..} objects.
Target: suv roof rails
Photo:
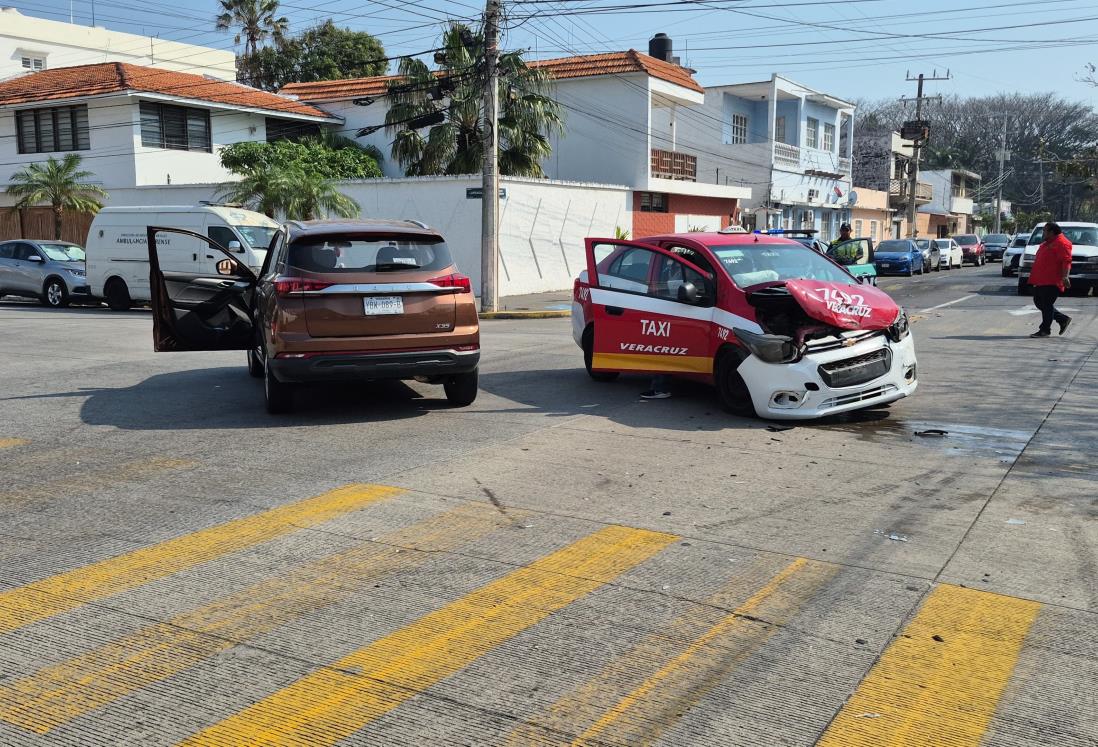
[{"x": 419, "y": 223}]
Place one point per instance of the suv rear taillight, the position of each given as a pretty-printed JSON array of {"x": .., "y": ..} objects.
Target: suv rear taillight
[
  {"x": 458, "y": 281},
  {"x": 288, "y": 286}
]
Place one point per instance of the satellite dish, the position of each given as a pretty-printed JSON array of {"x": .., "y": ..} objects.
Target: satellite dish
[{"x": 852, "y": 197}]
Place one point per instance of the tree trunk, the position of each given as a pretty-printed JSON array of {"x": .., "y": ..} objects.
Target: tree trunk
[
  {"x": 58, "y": 213},
  {"x": 22, "y": 223}
]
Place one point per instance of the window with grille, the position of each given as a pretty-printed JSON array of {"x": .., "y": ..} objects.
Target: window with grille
[
  {"x": 857, "y": 228},
  {"x": 739, "y": 129},
  {"x": 53, "y": 130},
  {"x": 779, "y": 130},
  {"x": 812, "y": 138},
  {"x": 285, "y": 129},
  {"x": 873, "y": 229},
  {"x": 34, "y": 63},
  {"x": 653, "y": 202},
  {"x": 175, "y": 127},
  {"x": 829, "y": 137}
]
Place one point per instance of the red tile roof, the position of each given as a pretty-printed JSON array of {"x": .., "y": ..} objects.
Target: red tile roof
[
  {"x": 583, "y": 66},
  {"x": 115, "y": 77}
]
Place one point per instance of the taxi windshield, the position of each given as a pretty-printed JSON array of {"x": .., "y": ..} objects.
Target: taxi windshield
[{"x": 752, "y": 264}]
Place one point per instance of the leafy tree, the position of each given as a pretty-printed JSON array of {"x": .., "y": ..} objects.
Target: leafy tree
[
  {"x": 528, "y": 117},
  {"x": 1044, "y": 130},
  {"x": 290, "y": 192},
  {"x": 326, "y": 52},
  {"x": 312, "y": 155},
  {"x": 61, "y": 184},
  {"x": 256, "y": 20}
]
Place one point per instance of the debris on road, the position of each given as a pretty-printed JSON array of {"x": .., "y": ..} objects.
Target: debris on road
[
  {"x": 938, "y": 638},
  {"x": 1016, "y": 522},
  {"x": 895, "y": 537},
  {"x": 869, "y": 715},
  {"x": 932, "y": 432},
  {"x": 779, "y": 428}
]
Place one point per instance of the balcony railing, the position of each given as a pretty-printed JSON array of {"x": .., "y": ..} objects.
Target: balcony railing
[
  {"x": 844, "y": 165},
  {"x": 670, "y": 164},
  {"x": 787, "y": 155},
  {"x": 897, "y": 188}
]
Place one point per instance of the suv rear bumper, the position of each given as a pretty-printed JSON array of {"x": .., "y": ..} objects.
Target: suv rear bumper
[{"x": 385, "y": 365}]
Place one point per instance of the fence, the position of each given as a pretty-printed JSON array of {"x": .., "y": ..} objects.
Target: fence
[{"x": 38, "y": 224}]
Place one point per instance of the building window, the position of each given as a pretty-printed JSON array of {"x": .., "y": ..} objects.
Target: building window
[
  {"x": 829, "y": 137},
  {"x": 779, "y": 130},
  {"x": 287, "y": 129},
  {"x": 812, "y": 139},
  {"x": 34, "y": 63},
  {"x": 653, "y": 202},
  {"x": 873, "y": 229},
  {"x": 57, "y": 129},
  {"x": 175, "y": 127},
  {"x": 739, "y": 129},
  {"x": 857, "y": 228}
]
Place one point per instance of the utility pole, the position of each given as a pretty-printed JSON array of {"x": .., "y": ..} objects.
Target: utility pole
[
  {"x": 1041, "y": 172},
  {"x": 917, "y": 146},
  {"x": 1002, "y": 163},
  {"x": 489, "y": 222}
]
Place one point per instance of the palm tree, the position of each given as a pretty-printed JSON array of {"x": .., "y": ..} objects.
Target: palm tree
[
  {"x": 256, "y": 20},
  {"x": 289, "y": 192},
  {"x": 528, "y": 117},
  {"x": 61, "y": 184}
]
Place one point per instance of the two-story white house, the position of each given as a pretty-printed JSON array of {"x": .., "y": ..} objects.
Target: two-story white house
[
  {"x": 622, "y": 113},
  {"x": 790, "y": 144},
  {"x": 136, "y": 126},
  {"x": 951, "y": 209},
  {"x": 30, "y": 44}
]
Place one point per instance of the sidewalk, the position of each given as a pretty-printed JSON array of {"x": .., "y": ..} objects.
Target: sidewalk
[{"x": 550, "y": 305}]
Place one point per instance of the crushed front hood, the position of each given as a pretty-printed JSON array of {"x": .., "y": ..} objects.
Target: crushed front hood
[{"x": 844, "y": 306}]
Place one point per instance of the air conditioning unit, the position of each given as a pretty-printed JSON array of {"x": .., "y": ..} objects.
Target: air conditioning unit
[{"x": 813, "y": 195}]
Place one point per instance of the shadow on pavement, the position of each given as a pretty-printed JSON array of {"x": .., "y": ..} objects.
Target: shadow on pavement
[{"x": 218, "y": 398}]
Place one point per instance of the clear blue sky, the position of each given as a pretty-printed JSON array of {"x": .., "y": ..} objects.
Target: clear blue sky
[{"x": 850, "y": 48}]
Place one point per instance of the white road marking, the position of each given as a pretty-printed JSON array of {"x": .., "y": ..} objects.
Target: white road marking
[
  {"x": 947, "y": 303},
  {"x": 1034, "y": 310}
]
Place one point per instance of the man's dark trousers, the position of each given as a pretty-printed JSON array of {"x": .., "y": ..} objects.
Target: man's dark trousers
[{"x": 1044, "y": 298}]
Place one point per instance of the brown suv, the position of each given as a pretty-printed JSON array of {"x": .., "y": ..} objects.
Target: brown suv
[{"x": 334, "y": 300}]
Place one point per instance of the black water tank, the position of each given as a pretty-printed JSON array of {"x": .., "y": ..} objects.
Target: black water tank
[{"x": 659, "y": 46}]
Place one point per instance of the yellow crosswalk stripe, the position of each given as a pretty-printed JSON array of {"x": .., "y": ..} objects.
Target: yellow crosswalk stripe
[
  {"x": 676, "y": 686},
  {"x": 940, "y": 681},
  {"x": 65, "y": 691},
  {"x": 11, "y": 443},
  {"x": 65, "y": 591},
  {"x": 334, "y": 702}
]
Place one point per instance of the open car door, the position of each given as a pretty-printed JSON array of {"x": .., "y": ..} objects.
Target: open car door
[
  {"x": 195, "y": 310},
  {"x": 652, "y": 309},
  {"x": 856, "y": 255}
]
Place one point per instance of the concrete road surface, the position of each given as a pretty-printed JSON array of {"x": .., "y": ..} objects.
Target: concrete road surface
[{"x": 560, "y": 563}]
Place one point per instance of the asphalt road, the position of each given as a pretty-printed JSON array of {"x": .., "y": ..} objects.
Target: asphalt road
[{"x": 560, "y": 563}]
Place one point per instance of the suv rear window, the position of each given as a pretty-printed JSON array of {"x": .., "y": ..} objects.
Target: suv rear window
[{"x": 402, "y": 253}]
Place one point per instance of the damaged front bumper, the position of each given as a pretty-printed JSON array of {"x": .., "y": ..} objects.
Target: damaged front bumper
[{"x": 871, "y": 372}]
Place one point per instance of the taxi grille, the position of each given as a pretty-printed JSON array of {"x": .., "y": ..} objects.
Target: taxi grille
[{"x": 858, "y": 370}]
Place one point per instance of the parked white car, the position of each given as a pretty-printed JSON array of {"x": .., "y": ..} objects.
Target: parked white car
[
  {"x": 1013, "y": 254},
  {"x": 950, "y": 254},
  {"x": 1084, "y": 257},
  {"x": 118, "y": 257}
]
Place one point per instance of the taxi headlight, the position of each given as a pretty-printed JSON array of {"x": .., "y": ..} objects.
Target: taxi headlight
[
  {"x": 769, "y": 348},
  {"x": 900, "y": 328}
]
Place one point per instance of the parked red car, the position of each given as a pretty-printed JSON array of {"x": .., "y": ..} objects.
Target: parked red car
[{"x": 973, "y": 248}]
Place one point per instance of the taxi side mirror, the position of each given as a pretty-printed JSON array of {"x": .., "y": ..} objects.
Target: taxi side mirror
[
  {"x": 226, "y": 267},
  {"x": 688, "y": 293}
]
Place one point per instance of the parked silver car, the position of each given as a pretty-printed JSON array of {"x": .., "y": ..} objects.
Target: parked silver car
[{"x": 51, "y": 271}]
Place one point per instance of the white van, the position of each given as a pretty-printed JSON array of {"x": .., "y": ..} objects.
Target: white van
[{"x": 117, "y": 249}]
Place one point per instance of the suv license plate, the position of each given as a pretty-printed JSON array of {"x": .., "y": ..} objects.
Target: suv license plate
[{"x": 381, "y": 305}]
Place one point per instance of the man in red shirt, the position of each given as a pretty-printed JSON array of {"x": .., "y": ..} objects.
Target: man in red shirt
[{"x": 1049, "y": 278}]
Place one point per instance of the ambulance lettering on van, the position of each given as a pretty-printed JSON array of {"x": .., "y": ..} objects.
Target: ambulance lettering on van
[{"x": 118, "y": 255}]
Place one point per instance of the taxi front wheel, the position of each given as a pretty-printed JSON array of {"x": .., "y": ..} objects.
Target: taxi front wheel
[
  {"x": 732, "y": 390},
  {"x": 588, "y": 354}
]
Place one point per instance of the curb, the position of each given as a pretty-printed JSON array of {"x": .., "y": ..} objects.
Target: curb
[{"x": 561, "y": 314}]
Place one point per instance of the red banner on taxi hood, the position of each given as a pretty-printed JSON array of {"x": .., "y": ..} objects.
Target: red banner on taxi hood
[{"x": 844, "y": 306}]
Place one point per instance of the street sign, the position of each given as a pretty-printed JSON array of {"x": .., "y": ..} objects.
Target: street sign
[{"x": 477, "y": 193}]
